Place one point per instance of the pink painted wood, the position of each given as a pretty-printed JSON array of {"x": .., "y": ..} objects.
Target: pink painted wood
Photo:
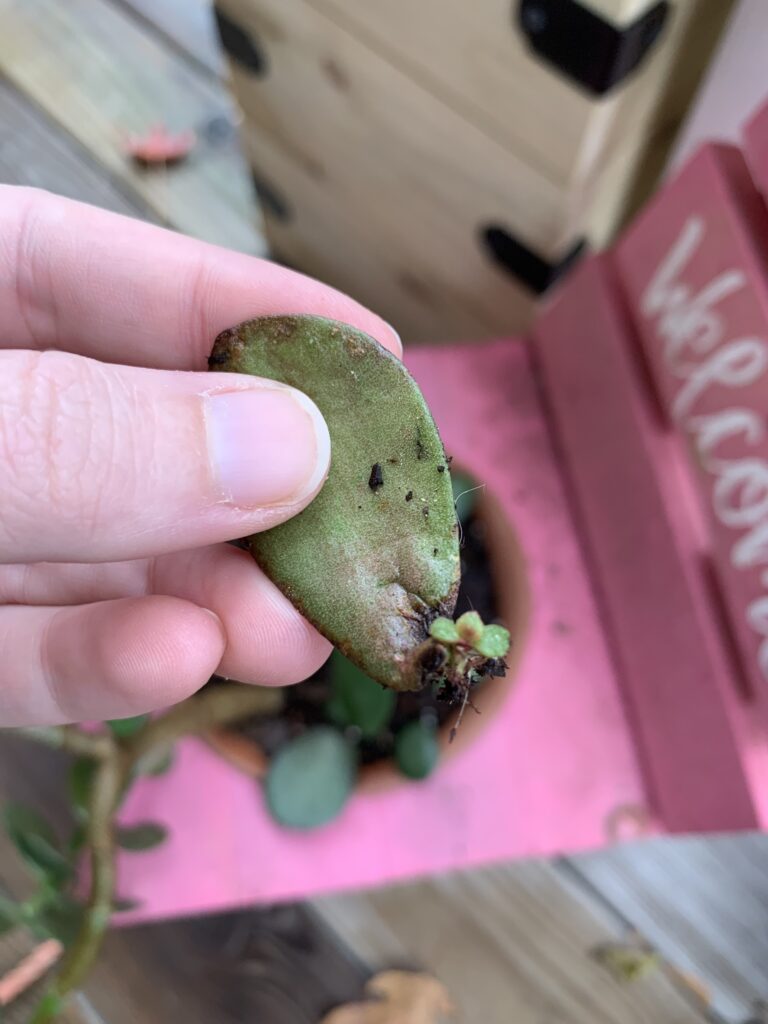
[
  {"x": 623, "y": 470},
  {"x": 693, "y": 269},
  {"x": 554, "y": 768}
]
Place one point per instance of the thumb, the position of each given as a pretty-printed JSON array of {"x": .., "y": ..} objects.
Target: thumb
[{"x": 103, "y": 462}]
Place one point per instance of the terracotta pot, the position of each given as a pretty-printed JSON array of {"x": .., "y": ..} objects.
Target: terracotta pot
[{"x": 513, "y": 603}]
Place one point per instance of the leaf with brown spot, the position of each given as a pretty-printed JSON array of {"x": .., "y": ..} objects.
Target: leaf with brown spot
[{"x": 397, "y": 997}]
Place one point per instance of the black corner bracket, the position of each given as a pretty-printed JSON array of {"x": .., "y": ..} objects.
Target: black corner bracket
[
  {"x": 239, "y": 44},
  {"x": 521, "y": 262},
  {"x": 585, "y": 47}
]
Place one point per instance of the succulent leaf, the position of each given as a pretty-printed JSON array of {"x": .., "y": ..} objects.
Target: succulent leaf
[
  {"x": 375, "y": 557},
  {"x": 311, "y": 778},
  {"x": 416, "y": 749}
]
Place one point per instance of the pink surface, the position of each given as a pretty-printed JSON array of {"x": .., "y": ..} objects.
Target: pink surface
[
  {"x": 693, "y": 269},
  {"x": 550, "y": 771},
  {"x": 624, "y": 477}
]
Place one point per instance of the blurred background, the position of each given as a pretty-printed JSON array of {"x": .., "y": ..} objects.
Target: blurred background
[{"x": 447, "y": 164}]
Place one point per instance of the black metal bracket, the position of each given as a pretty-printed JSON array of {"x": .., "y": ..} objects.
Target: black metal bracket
[
  {"x": 589, "y": 50},
  {"x": 241, "y": 46},
  {"x": 517, "y": 259}
]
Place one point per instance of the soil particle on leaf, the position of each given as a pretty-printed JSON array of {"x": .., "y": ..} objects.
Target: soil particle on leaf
[
  {"x": 434, "y": 552},
  {"x": 409, "y": 496},
  {"x": 441, "y": 469},
  {"x": 376, "y": 479},
  {"x": 425, "y": 510}
]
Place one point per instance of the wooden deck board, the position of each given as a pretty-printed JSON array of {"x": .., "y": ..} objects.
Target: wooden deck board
[
  {"x": 187, "y": 25},
  {"x": 100, "y": 74},
  {"x": 35, "y": 151},
  {"x": 702, "y": 902},
  {"x": 510, "y": 943}
]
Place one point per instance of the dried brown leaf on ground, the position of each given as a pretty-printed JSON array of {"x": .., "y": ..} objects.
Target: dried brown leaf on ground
[
  {"x": 397, "y": 997},
  {"x": 159, "y": 147}
]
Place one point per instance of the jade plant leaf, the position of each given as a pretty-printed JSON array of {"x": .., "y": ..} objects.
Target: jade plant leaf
[
  {"x": 37, "y": 843},
  {"x": 416, "y": 749},
  {"x": 144, "y": 836},
  {"x": 81, "y": 775},
  {"x": 356, "y": 699},
  {"x": 11, "y": 914},
  {"x": 310, "y": 779},
  {"x": 124, "y": 728},
  {"x": 375, "y": 557}
]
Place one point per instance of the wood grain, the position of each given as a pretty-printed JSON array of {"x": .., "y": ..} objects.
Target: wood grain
[
  {"x": 486, "y": 70},
  {"x": 510, "y": 944},
  {"x": 185, "y": 25},
  {"x": 97, "y": 73},
  {"x": 35, "y": 151},
  {"x": 702, "y": 902}
]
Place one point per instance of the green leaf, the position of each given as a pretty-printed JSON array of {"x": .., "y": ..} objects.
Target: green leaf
[
  {"x": 155, "y": 762},
  {"x": 81, "y": 776},
  {"x": 494, "y": 643},
  {"x": 465, "y": 494},
  {"x": 48, "y": 1009},
  {"x": 356, "y": 699},
  {"x": 60, "y": 919},
  {"x": 78, "y": 839},
  {"x": 311, "y": 778},
  {"x": 136, "y": 838},
  {"x": 124, "y": 728},
  {"x": 37, "y": 843},
  {"x": 375, "y": 555},
  {"x": 122, "y": 906},
  {"x": 444, "y": 630},
  {"x": 470, "y": 628},
  {"x": 11, "y": 914},
  {"x": 416, "y": 749}
]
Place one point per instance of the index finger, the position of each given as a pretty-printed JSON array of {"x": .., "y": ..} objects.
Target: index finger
[{"x": 77, "y": 278}]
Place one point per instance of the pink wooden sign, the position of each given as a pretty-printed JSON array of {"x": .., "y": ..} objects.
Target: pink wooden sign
[
  {"x": 624, "y": 481},
  {"x": 693, "y": 270}
]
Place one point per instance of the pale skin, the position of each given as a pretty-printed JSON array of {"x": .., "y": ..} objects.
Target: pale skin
[{"x": 124, "y": 467}]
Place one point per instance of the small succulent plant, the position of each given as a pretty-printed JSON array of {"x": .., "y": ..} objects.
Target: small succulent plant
[{"x": 373, "y": 562}]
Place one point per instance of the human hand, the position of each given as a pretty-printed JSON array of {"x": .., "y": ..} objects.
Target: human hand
[{"x": 124, "y": 470}]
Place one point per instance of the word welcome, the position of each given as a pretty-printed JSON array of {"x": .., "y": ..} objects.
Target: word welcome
[{"x": 712, "y": 367}]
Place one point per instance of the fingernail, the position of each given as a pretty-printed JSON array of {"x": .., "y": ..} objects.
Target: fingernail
[{"x": 268, "y": 445}]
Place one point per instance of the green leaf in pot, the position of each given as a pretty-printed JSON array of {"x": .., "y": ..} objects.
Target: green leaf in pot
[
  {"x": 310, "y": 779},
  {"x": 416, "y": 749},
  {"x": 356, "y": 699}
]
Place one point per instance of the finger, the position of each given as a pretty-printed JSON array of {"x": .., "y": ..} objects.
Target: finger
[
  {"x": 107, "y": 660},
  {"x": 268, "y": 641},
  {"x": 101, "y": 463},
  {"x": 77, "y": 278}
]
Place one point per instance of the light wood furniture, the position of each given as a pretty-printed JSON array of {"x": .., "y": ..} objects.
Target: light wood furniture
[{"x": 444, "y": 162}]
